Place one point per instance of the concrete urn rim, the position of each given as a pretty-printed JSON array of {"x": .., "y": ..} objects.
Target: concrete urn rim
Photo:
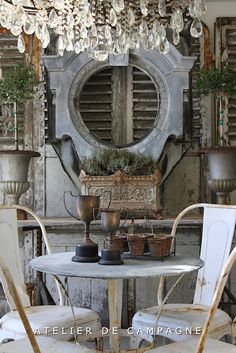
[{"x": 20, "y": 152}]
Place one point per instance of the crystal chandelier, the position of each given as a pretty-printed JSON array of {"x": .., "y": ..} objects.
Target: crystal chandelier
[{"x": 102, "y": 27}]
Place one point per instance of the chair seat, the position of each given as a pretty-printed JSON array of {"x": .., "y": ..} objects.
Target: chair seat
[
  {"x": 4, "y": 334},
  {"x": 179, "y": 319},
  {"x": 46, "y": 344},
  {"x": 54, "y": 320},
  {"x": 190, "y": 346}
]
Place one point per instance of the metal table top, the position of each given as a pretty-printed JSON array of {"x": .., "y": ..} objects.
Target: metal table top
[{"x": 61, "y": 264}]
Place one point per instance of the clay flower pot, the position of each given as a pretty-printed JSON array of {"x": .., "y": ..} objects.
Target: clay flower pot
[
  {"x": 136, "y": 243},
  {"x": 118, "y": 242},
  {"x": 160, "y": 245}
]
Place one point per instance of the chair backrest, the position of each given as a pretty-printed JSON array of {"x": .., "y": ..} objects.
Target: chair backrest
[
  {"x": 217, "y": 234},
  {"x": 9, "y": 280},
  {"x": 9, "y": 250},
  {"x": 46, "y": 344},
  {"x": 216, "y": 299}
]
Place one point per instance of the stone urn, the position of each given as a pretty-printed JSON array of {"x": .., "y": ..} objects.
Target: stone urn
[
  {"x": 222, "y": 168},
  {"x": 14, "y": 166}
]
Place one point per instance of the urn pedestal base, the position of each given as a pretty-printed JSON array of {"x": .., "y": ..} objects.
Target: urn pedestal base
[
  {"x": 222, "y": 169},
  {"x": 222, "y": 188},
  {"x": 14, "y": 166}
]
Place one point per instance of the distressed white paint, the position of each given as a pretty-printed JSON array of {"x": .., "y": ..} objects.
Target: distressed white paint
[
  {"x": 49, "y": 344},
  {"x": 61, "y": 264},
  {"x": 203, "y": 344},
  {"x": 46, "y": 344},
  {"x": 190, "y": 346},
  {"x": 218, "y": 230},
  {"x": 65, "y": 233},
  {"x": 39, "y": 316},
  {"x": 9, "y": 251},
  {"x": 217, "y": 236},
  {"x": 115, "y": 289}
]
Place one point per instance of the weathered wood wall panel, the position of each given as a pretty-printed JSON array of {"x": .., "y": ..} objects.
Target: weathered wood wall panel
[
  {"x": 226, "y": 51},
  {"x": 119, "y": 104},
  {"x": 9, "y": 57}
]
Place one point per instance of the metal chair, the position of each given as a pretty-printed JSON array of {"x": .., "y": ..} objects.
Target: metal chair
[
  {"x": 217, "y": 234},
  {"x": 203, "y": 343},
  {"x": 43, "y": 319},
  {"x": 41, "y": 344}
]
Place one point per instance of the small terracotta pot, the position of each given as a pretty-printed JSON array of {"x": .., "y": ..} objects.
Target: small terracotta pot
[
  {"x": 136, "y": 243},
  {"x": 118, "y": 242},
  {"x": 160, "y": 246}
]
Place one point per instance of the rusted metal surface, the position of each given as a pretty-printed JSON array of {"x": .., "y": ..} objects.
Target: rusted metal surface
[
  {"x": 207, "y": 48},
  {"x": 36, "y": 56}
]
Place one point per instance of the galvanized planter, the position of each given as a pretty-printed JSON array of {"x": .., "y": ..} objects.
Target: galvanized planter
[
  {"x": 14, "y": 166},
  {"x": 222, "y": 168},
  {"x": 139, "y": 195}
]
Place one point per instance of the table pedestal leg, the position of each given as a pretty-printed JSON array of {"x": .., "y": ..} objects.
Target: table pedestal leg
[{"x": 115, "y": 290}]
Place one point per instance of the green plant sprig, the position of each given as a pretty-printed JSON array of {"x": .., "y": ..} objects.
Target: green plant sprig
[
  {"x": 107, "y": 162},
  {"x": 220, "y": 81},
  {"x": 18, "y": 84}
]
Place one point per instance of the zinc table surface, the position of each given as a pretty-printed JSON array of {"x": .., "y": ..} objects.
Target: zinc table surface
[{"x": 61, "y": 264}]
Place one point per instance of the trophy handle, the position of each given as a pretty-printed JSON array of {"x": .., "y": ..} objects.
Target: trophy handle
[
  {"x": 148, "y": 223},
  {"x": 110, "y": 198},
  {"x": 126, "y": 216},
  {"x": 64, "y": 200},
  {"x": 94, "y": 216}
]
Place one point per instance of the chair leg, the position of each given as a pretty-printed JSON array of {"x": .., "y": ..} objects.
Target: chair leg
[
  {"x": 230, "y": 339},
  {"x": 99, "y": 343},
  {"x": 135, "y": 342},
  {"x": 6, "y": 340}
]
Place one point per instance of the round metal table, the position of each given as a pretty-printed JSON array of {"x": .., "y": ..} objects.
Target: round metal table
[{"x": 60, "y": 264}]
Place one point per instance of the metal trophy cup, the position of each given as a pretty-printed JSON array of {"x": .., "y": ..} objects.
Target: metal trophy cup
[
  {"x": 87, "y": 207},
  {"x": 110, "y": 220}
]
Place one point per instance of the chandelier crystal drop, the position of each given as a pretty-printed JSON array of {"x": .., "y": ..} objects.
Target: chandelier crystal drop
[{"x": 102, "y": 27}]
